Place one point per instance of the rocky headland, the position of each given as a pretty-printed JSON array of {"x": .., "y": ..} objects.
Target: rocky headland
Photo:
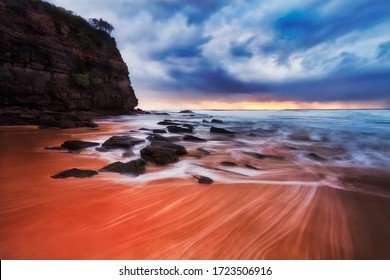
[{"x": 56, "y": 70}]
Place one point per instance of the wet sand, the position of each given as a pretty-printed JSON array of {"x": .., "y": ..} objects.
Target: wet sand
[{"x": 107, "y": 218}]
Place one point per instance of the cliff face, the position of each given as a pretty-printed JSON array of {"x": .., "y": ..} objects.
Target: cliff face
[{"x": 52, "y": 60}]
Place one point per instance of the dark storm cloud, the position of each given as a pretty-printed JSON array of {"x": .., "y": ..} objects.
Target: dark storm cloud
[{"x": 294, "y": 50}]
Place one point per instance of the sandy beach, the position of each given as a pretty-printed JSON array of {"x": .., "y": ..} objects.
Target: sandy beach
[{"x": 106, "y": 217}]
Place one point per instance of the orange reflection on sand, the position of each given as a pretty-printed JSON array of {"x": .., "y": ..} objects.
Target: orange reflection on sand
[{"x": 102, "y": 218}]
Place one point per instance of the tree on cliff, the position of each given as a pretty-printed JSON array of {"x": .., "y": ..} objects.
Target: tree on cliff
[{"x": 101, "y": 24}]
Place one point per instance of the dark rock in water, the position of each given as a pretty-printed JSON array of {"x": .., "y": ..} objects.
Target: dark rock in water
[
  {"x": 127, "y": 154},
  {"x": 178, "y": 129},
  {"x": 135, "y": 167},
  {"x": 159, "y": 155},
  {"x": 203, "y": 151},
  {"x": 186, "y": 112},
  {"x": 251, "y": 167},
  {"x": 159, "y": 131},
  {"x": 74, "y": 145},
  {"x": 263, "y": 156},
  {"x": 161, "y": 114},
  {"x": 216, "y": 121},
  {"x": 189, "y": 115},
  {"x": 157, "y": 137},
  {"x": 205, "y": 121},
  {"x": 193, "y": 138},
  {"x": 205, "y": 180},
  {"x": 143, "y": 128},
  {"x": 291, "y": 148},
  {"x": 167, "y": 122},
  {"x": 300, "y": 136},
  {"x": 121, "y": 142},
  {"x": 102, "y": 150},
  {"x": 190, "y": 126},
  {"x": 220, "y": 130},
  {"x": 177, "y": 149},
  {"x": 74, "y": 172},
  {"x": 162, "y": 152},
  {"x": 54, "y": 148},
  {"x": 315, "y": 157},
  {"x": 228, "y": 163}
]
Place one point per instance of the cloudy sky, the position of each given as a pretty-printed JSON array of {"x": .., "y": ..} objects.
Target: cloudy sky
[{"x": 249, "y": 54}]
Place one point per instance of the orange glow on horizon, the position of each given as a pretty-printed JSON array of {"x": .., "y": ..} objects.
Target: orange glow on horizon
[{"x": 152, "y": 103}]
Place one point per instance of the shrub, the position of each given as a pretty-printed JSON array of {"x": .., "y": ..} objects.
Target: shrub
[
  {"x": 101, "y": 24},
  {"x": 81, "y": 80}
]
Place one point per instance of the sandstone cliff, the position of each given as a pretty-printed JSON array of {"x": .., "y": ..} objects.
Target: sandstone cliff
[{"x": 53, "y": 60}]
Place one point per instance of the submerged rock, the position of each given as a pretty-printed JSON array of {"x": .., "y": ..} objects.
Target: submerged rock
[
  {"x": 167, "y": 122},
  {"x": 203, "y": 151},
  {"x": 315, "y": 157},
  {"x": 220, "y": 130},
  {"x": 178, "y": 129},
  {"x": 228, "y": 163},
  {"x": 193, "y": 138},
  {"x": 186, "y": 112},
  {"x": 159, "y": 131},
  {"x": 74, "y": 145},
  {"x": 216, "y": 121},
  {"x": 251, "y": 167},
  {"x": 205, "y": 121},
  {"x": 121, "y": 142},
  {"x": 157, "y": 137},
  {"x": 135, "y": 167},
  {"x": 204, "y": 180},
  {"x": 264, "y": 156},
  {"x": 75, "y": 172}
]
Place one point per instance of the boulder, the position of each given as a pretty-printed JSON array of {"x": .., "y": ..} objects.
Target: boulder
[
  {"x": 121, "y": 142},
  {"x": 159, "y": 131},
  {"x": 162, "y": 152},
  {"x": 167, "y": 122},
  {"x": 157, "y": 137},
  {"x": 178, "y": 129},
  {"x": 75, "y": 145},
  {"x": 220, "y": 130},
  {"x": 191, "y": 138},
  {"x": 177, "y": 149},
  {"x": 186, "y": 112},
  {"x": 74, "y": 172},
  {"x": 135, "y": 167},
  {"x": 158, "y": 155}
]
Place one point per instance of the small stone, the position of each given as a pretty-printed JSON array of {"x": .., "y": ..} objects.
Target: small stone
[
  {"x": 315, "y": 157},
  {"x": 220, "y": 130},
  {"x": 121, "y": 142},
  {"x": 74, "y": 145},
  {"x": 228, "y": 163},
  {"x": 159, "y": 131},
  {"x": 251, "y": 167},
  {"x": 178, "y": 129},
  {"x": 75, "y": 172},
  {"x": 205, "y": 180},
  {"x": 135, "y": 167},
  {"x": 191, "y": 138}
]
